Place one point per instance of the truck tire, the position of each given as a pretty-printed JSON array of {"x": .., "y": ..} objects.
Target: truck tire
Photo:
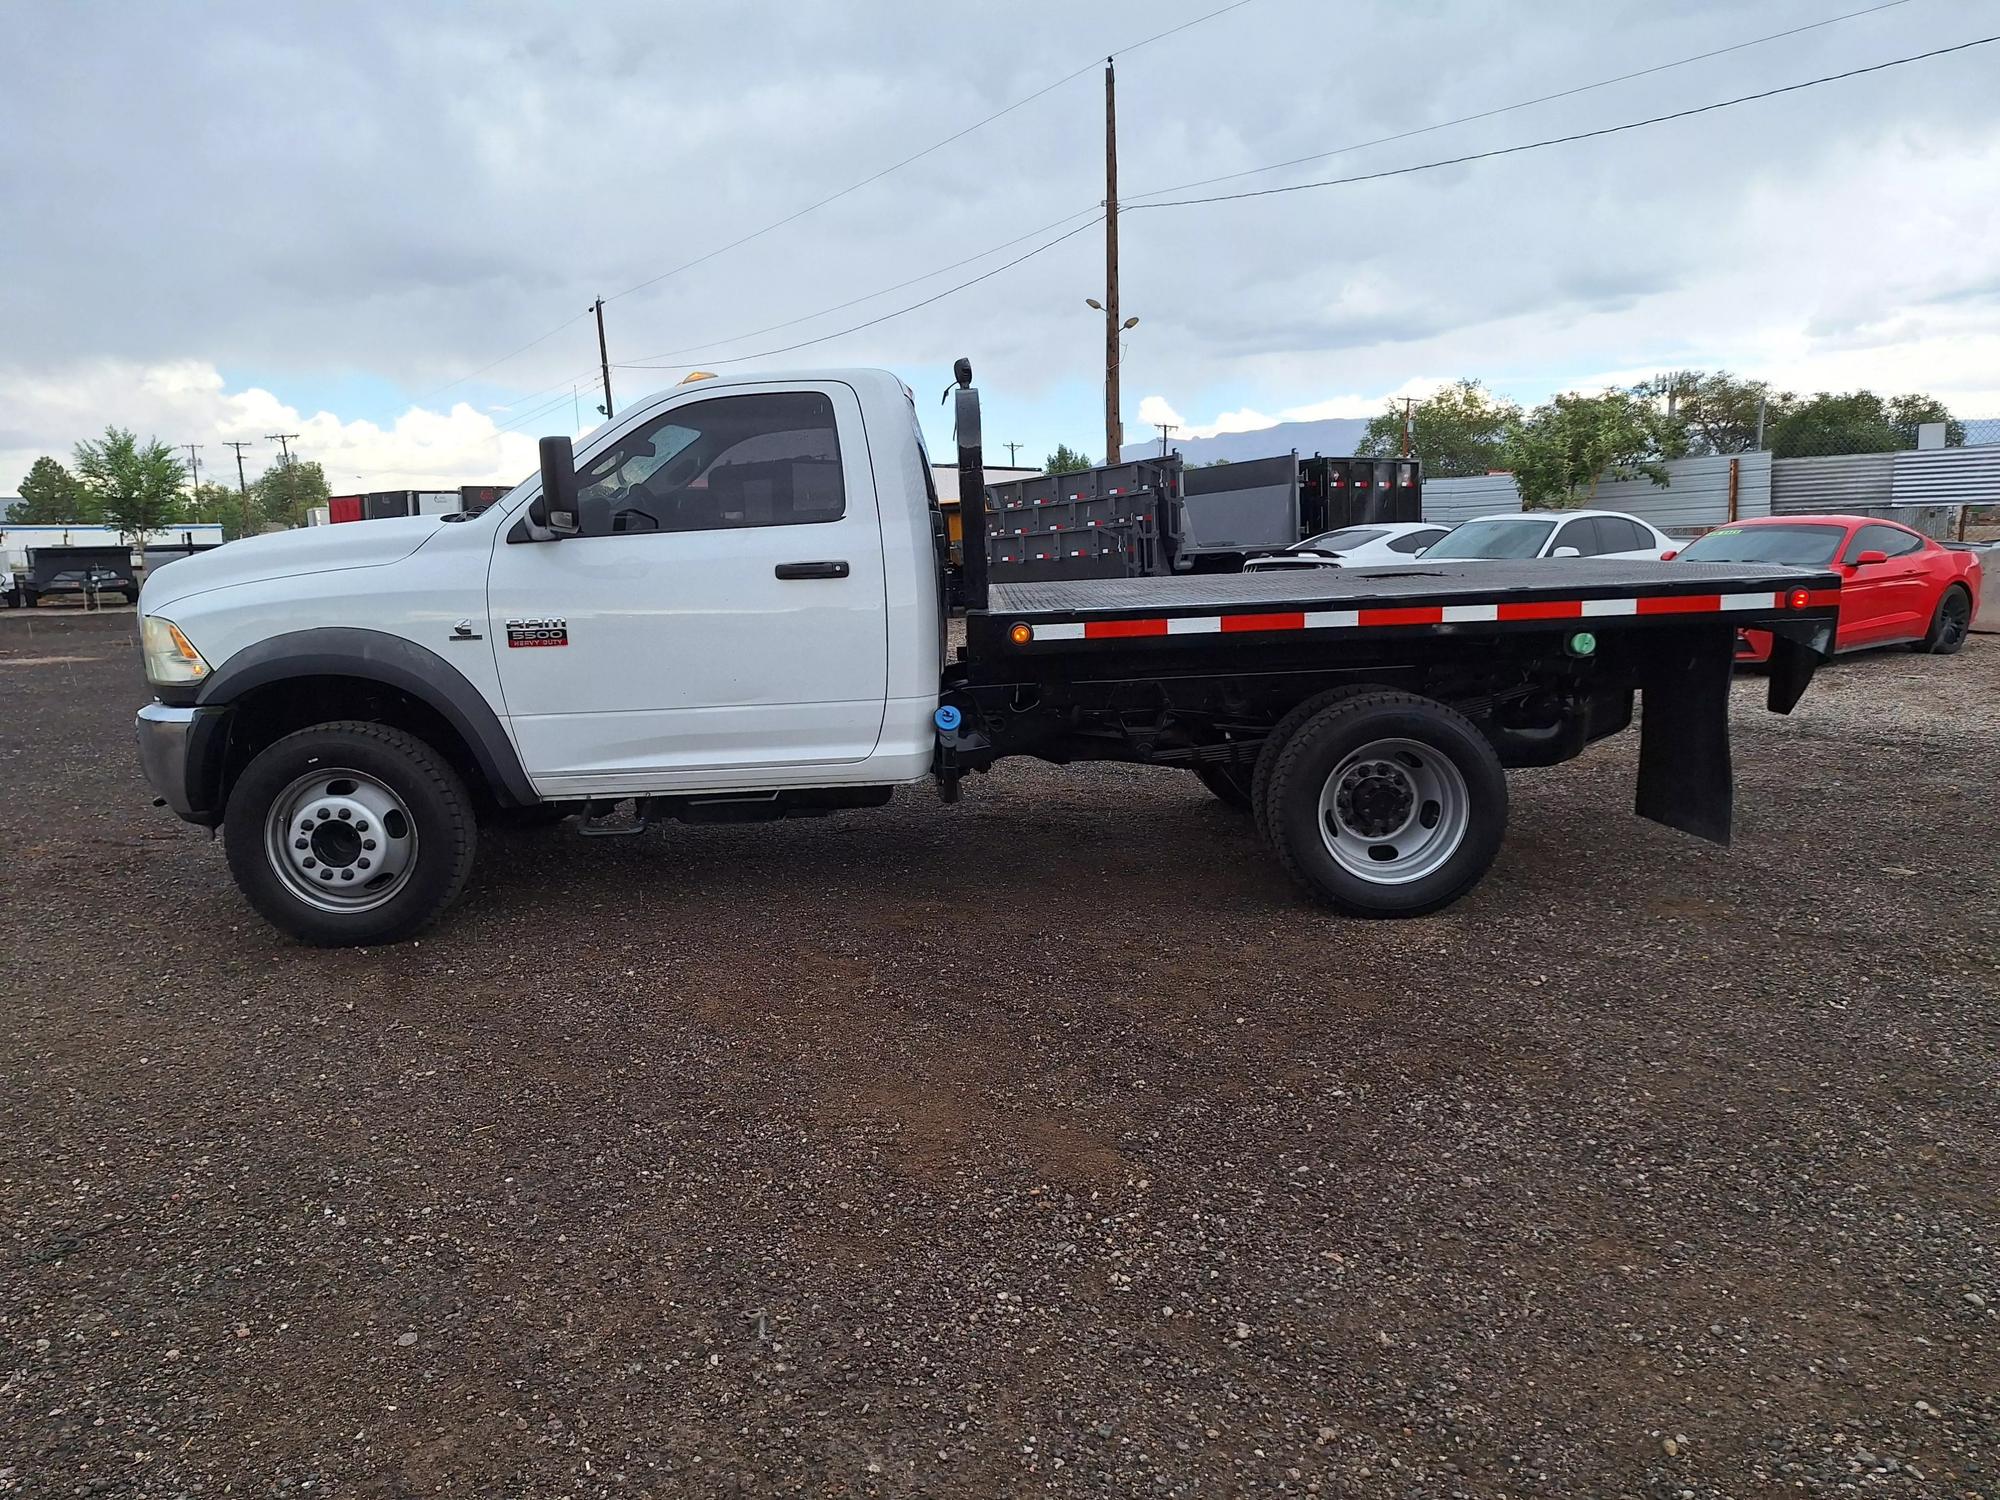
[
  {"x": 349, "y": 834},
  {"x": 1386, "y": 804},
  {"x": 1229, "y": 781},
  {"x": 1950, "y": 624},
  {"x": 1282, "y": 731}
]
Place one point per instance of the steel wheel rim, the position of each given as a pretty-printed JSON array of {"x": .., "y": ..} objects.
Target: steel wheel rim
[
  {"x": 1394, "y": 811},
  {"x": 341, "y": 840},
  {"x": 1957, "y": 616}
]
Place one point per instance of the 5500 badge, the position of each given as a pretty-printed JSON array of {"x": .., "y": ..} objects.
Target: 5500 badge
[{"x": 541, "y": 632}]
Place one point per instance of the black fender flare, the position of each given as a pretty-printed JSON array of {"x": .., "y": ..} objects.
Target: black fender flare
[{"x": 377, "y": 656}]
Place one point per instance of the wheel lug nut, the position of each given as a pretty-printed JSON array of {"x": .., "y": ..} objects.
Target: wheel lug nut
[
  {"x": 326, "y": 874},
  {"x": 306, "y": 827},
  {"x": 301, "y": 844},
  {"x": 368, "y": 843},
  {"x": 346, "y": 874},
  {"x": 363, "y": 862},
  {"x": 361, "y": 825},
  {"x": 344, "y": 813},
  {"x": 323, "y": 813},
  {"x": 310, "y": 861}
]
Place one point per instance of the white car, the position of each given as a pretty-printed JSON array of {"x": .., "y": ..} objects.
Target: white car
[
  {"x": 1553, "y": 533},
  {"x": 1354, "y": 547}
]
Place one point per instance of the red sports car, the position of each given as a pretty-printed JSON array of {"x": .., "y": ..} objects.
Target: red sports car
[{"x": 1897, "y": 585}]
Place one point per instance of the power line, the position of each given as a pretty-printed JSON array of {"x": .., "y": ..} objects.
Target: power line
[
  {"x": 562, "y": 384},
  {"x": 1563, "y": 140},
  {"x": 1487, "y": 114},
  {"x": 897, "y": 313},
  {"x": 823, "y": 202},
  {"x": 522, "y": 419},
  {"x": 916, "y": 156},
  {"x": 671, "y": 354},
  {"x": 494, "y": 364}
]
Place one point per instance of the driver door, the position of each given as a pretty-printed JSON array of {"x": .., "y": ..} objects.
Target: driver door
[{"x": 722, "y": 618}]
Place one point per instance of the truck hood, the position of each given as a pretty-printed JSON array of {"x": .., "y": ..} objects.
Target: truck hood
[{"x": 288, "y": 554}]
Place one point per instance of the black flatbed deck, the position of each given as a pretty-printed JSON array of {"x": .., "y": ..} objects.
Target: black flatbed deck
[{"x": 1458, "y": 598}]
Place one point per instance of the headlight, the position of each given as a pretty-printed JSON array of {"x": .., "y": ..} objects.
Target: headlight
[{"x": 170, "y": 656}]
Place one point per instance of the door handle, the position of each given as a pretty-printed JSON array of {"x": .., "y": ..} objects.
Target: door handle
[{"x": 811, "y": 570}]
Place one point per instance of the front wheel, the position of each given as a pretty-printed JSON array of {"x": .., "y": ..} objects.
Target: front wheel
[
  {"x": 350, "y": 834},
  {"x": 1950, "y": 624},
  {"x": 1386, "y": 804}
]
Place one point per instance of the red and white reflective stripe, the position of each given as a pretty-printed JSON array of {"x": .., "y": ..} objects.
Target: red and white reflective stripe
[{"x": 1417, "y": 614}]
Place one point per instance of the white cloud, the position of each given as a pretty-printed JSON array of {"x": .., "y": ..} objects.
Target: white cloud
[
  {"x": 1248, "y": 419},
  {"x": 186, "y": 401}
]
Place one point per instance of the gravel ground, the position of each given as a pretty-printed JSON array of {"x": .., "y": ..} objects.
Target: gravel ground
[{"x": 1044, "y": 1144}]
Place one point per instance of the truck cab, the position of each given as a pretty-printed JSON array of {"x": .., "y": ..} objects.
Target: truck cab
[{"x": 748, "y": 603}]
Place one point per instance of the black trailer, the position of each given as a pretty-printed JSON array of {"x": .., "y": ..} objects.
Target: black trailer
[
  {"x": 1152, "y": 516},
  {"x": 88, "y": 571},
  {"x": 1365, "y": 717}
]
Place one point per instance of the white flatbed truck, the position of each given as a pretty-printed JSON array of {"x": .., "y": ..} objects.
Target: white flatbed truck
[{"x": 728, "y": 604}]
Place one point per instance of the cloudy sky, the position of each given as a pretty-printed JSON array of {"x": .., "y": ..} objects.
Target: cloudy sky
[{"x": 346, "y": 221}]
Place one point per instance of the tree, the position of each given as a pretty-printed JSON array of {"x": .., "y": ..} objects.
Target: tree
[
  {"x": 290, "y": 488},
  {"x": 135, "y": 487},
  {"x": 51, "y": 496},
  {"x": 1564, "y": 447},
  {"x": 223, "y": 505},
  {"x": 1908, "y": 413},
  {"x": 1712, "y": 412},
  {"x": 1457, "y": 431},
  {"x": 1065, "y": 460}
]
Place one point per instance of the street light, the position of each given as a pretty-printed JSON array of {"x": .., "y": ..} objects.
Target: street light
[
  {"x": 1122, "y": 327},
  {"x": 1114, "y": 356}
]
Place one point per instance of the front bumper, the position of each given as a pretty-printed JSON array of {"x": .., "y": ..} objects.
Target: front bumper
[{"x": 180, "y": 750}]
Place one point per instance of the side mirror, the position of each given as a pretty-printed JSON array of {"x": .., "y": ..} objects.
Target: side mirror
[
  {"x": 1566, "y": 552},
  {"x": 1870, "y": 557},
  {"x": 1669, "y": 555},
  {"x": 554, "y": 509}
]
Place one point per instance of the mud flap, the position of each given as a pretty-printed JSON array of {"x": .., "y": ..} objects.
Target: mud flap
[
  {"x": 1684, "y": 776},
  {"x": 1796, "y": 653}
]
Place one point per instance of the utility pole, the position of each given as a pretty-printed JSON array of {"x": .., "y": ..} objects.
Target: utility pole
[
  {"x": 603, "y": 359},
  {"x": 194, "y": 464},
  {"x": 280, "y": 438},
  {"x": 242, "y": 484},
  {"x": 1114, "y": 425},
  {"x": 1114, "y": 429},
  {"x": 1408, "y": 402},
  {"x": 1011, "y": 448},
  {"x": 1167, "y": 429}
]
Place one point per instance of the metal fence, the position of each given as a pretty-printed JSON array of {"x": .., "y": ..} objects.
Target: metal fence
[
  {"x": 1981, "y": 430},
  {"x": 1873, "y": 482},
  {"x": 1697, "y": 494}
]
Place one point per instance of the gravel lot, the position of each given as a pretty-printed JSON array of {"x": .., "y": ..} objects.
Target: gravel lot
[{"x": 1043, "y": 1144}]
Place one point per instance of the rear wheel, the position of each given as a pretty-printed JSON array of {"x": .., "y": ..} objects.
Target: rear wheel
[
  {"x": 1386, "y": 804},
  {"x": 350, "y": 834},
  {"x": 1276, "y": 740},
  {"x": 1230, "y": 783},
  {"x": 1950, "y": 624}
]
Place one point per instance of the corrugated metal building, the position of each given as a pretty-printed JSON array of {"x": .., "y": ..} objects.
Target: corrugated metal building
[{"x": 1696, "y": 496}]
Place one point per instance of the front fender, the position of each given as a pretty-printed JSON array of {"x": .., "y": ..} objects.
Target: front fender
[{"x": 393, "y": 661}]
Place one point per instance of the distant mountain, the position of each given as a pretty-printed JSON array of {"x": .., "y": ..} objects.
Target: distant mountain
[{"x": 1336, "y": 437}]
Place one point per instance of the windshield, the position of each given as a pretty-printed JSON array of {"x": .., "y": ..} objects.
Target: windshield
[
  {"x": 1341, "y": 540},
  {"x": 1501, "y": 538},
  {"x": 1788, "y": 546}
]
